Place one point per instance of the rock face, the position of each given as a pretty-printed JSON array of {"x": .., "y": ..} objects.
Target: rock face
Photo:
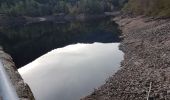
[
  {"x": 22, "y": 88},
  {"x": 146, "y": 44}
]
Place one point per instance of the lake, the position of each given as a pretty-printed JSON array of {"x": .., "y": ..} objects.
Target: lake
[
  {"x": 27, "y": 42},
  {"x": 84, "y": 55},
  {"x": 72, "y": 72}
]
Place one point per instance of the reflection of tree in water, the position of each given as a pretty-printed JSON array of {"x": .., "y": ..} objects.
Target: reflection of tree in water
[{"x": 25, "y": 43}]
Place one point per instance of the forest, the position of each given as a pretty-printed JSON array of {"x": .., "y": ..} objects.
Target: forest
[
  {"x": 75, "y": 7},
  {"x": 52, "y": 7}
]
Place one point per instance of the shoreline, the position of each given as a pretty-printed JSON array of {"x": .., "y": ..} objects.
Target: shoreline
[
  {"x": 6, "y": 20},
  {"x": 146, "y": 64}
]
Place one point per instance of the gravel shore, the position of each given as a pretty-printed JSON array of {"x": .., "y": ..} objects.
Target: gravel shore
[{"x": 145, "y": 69}]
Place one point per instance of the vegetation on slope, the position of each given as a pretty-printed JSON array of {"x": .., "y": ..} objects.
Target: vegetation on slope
[
  {"x": 159, "y": 8},
  {"x": 48, "y": 7},
  {"x": 74, "y": 7}
]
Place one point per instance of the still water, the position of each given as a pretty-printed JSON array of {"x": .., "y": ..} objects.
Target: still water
[
  {"x": 72, "y": 72},
  {"x": 25, "y": 43}
]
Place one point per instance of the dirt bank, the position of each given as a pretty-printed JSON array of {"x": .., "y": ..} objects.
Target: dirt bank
[{"x": 146, "y": 64}]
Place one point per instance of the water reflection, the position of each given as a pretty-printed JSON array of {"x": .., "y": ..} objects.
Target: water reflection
[
  {"x": 27, "y": 42},
  {"x": 72, "y": 72}
]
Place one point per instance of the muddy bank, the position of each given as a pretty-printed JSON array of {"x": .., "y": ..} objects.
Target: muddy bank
[
  {"x": 22, "y": 89},
  {"x": 146, "y": 64}
]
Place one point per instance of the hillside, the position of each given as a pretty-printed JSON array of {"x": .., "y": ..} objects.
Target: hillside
[
  {"x": 146, "y": 64},
  {"x": 155, "y": 8},
  {"x": 158, "y": 8},
  {"x": 49, "y": 7}
]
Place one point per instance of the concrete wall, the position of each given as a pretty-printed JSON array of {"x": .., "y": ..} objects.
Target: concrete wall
[{"x": 21, "y": 87}]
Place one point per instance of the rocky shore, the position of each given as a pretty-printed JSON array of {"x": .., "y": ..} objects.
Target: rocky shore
[
  {"x": 22, "y": 89},
  {"x": 145, "y": 73}
]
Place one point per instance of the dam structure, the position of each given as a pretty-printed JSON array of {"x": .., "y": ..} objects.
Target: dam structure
[
  {"x": 12, "y": 86},
  {"x": 7, "y": 90}
]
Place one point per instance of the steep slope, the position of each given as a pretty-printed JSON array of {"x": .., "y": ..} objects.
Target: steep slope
[
  {"x": 155, "y": 8},
  {"x": 146, "y": 63}
]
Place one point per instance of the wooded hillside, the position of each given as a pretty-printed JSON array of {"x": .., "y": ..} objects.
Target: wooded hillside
[
  {"x": 160, "y": 8},
  {"x": 48, "y": 7}
]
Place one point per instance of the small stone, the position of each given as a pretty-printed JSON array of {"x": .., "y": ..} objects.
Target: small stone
[{"x": 168, "y": 92}]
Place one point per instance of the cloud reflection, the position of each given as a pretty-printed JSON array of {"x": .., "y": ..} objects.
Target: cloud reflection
[{"x": 72, "y": 72}]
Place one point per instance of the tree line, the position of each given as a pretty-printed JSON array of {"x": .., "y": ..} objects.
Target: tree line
[{"x": 49, "y": 7}]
